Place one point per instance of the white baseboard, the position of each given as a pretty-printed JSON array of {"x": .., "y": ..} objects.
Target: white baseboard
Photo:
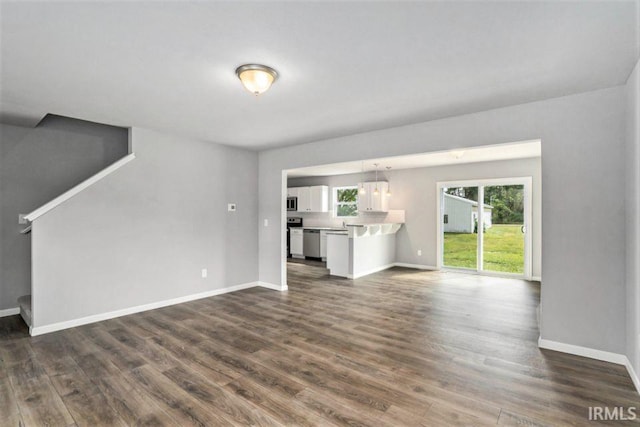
[
  {"x": 272, "y": 286},
  {"x": 591, "y": 353},
  {"x": 605, "y": 356},
  {"x": 536, "y": 278},
  {"x": 139, "y": 308},
  {"x": 373, "y": 270},
  {"x": 416, "y": 266},
  {"x": 633, "y": 375},
  {"x": 9, "y": 312}
]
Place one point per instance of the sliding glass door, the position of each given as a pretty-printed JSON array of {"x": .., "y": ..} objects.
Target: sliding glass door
[
  {"x": 459, "y": 227},
  {"x": 484, "y": 226},
  {"x": 503, "y": 246}
]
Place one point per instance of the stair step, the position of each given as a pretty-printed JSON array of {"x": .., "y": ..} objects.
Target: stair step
[{"x": 25, "y": 308}]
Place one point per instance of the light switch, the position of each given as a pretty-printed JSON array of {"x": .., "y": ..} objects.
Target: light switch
[
  {"x": 231, "y": 207},
  {"x": 266, "y": 222}
]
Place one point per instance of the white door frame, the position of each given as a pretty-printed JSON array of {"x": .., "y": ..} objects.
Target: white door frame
[{"x": 481, "y": 183}]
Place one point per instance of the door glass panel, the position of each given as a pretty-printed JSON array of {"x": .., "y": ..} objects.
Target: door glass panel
[
  {"x": 504, "y": 231},
  {"x": 459, "y": 226}
]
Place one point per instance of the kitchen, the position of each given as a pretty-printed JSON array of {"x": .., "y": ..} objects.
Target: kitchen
[
  {"x": 363, "y": 217},
  {"x": 347, "y": 229}
]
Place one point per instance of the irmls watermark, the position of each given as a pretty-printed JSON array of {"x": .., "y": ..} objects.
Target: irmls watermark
[{"x": 616, "y": 413}]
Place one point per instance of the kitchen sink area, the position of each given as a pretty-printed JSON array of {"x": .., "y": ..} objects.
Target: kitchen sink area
[{"x": 308, "y": 241}]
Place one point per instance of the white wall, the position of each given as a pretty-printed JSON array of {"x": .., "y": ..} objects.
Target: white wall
[
  {"x": 143, "y": 234},
  {"x": 37, "y": 165},
  {"x": 632, "y": 196},
  {"x": 414, "y": 191},
  {"x": 583, "y": 137}
]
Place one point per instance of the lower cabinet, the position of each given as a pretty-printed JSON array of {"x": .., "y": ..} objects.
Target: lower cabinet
[
  {"x": 296, "y": 240},
  {"x": 323, "y": 245}
]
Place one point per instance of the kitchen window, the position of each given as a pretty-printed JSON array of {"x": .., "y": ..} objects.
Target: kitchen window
[{"x": 345, "y": 201}]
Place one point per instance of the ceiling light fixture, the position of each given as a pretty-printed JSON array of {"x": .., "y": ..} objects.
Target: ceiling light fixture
[
  {"x": 388, "y": 184},
  {"x": 362, "y": 190},
  {"x": 256, "y": 78},
  {"x": 457, "y": 153},
  {"x": 376, "y": 192}
]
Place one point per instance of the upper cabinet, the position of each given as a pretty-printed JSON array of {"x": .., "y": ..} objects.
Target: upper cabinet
[
  {"x": 311, "y": 199},
  {"x": 304, "y": 199},
  {"x": 371, "y": 202},
  {"x": 319, "y": 198}
]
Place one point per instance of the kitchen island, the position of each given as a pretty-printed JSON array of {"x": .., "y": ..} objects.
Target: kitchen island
[{"x": 362, "y": 249}]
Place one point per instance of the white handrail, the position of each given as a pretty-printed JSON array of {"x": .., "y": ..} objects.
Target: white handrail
[{"x": 78, "y": 188}]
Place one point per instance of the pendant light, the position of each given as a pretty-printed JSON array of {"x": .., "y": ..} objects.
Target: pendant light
[
  {"x": 376, "y": 192},
  {"x": 362, "y": 190},
  {"x": 256, "y": 78},
  {"x": 388, "y": 185}
]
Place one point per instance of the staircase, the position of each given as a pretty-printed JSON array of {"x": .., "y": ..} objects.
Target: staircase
[{"x": 25, "y": 308}]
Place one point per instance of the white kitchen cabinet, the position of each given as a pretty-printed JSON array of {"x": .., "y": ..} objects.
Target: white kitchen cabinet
[
  {"x": 304, "y": 199},
  {"x": 319, "y": 198},
  {"x": 292, "y": 192},
  {"x": 323, "y": 245},
  {"x": 312, "y": 199},
  {"x": 296, "y": 242},
  {"x": 371, "y": 202}
]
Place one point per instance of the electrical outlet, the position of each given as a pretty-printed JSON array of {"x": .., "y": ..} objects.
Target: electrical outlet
[
  {"x": 419, "y": 252},
  {"x": 231, "y": 207},
  {"x": 204, "y": 273},
  {"x": 266, "y": 222}
]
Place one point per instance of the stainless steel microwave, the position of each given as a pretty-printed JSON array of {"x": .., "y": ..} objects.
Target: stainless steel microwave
[{"x": 292, "y": 203}]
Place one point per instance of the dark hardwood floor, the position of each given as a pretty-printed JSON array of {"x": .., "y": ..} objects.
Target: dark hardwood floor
[{"x": 401, "y": 347}]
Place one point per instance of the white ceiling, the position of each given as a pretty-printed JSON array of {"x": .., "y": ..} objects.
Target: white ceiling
[
  {"x": 516, "y": 150},
  {"x": 345, "y": 67}
]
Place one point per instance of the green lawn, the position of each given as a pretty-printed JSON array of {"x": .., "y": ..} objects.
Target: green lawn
[{"x": 503, "y": 249}]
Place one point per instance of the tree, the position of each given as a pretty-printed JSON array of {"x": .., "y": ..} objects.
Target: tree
[{"x": 507, "y": 201}]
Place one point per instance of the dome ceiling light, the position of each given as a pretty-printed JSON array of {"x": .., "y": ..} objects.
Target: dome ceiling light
[
  {"x": 256, "y": 78},
  {"x": 456, "y": 154}
]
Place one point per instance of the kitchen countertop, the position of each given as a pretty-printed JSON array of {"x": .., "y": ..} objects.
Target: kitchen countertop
[{"x": 325, "y": 228}]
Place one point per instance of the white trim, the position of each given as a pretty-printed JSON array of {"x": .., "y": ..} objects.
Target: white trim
[
  {"x": 9, "y": 311},
  {"x": 137, "y": 309},
  {"x": 78, "y": 188},
  {"x": 485, "y": 273},
  {"x": 633, "y": 375},
  {"x": 283, "y": 230},
  {"x": 272, "y": 286},
  {"x": 591, "y": 353},
  {"x": 416, "y": 266},
  {"x": 605, "y": 356},
  {"x": 536, "y": 279},
  {"x": 373, "y": 270},
  {"x": 480, "y": 234}
]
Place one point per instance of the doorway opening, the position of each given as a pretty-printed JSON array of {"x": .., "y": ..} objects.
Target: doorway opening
[{"x": 484, "y": 226}]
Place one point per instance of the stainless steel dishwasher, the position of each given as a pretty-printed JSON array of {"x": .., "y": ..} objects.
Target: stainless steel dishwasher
[{"x": 311, "y": 243}]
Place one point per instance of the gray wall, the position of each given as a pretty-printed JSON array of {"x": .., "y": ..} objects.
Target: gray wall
[
  {"x": 414, "y": 191},
  {"x": 583, "y": 230},
  {"x": 632, "y": 196},
  {"x": 142, "y": 234},
  {"x": 37, "y": 165}
]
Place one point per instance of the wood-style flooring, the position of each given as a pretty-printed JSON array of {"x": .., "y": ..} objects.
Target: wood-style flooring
[{"x": 400, "y": 347}]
